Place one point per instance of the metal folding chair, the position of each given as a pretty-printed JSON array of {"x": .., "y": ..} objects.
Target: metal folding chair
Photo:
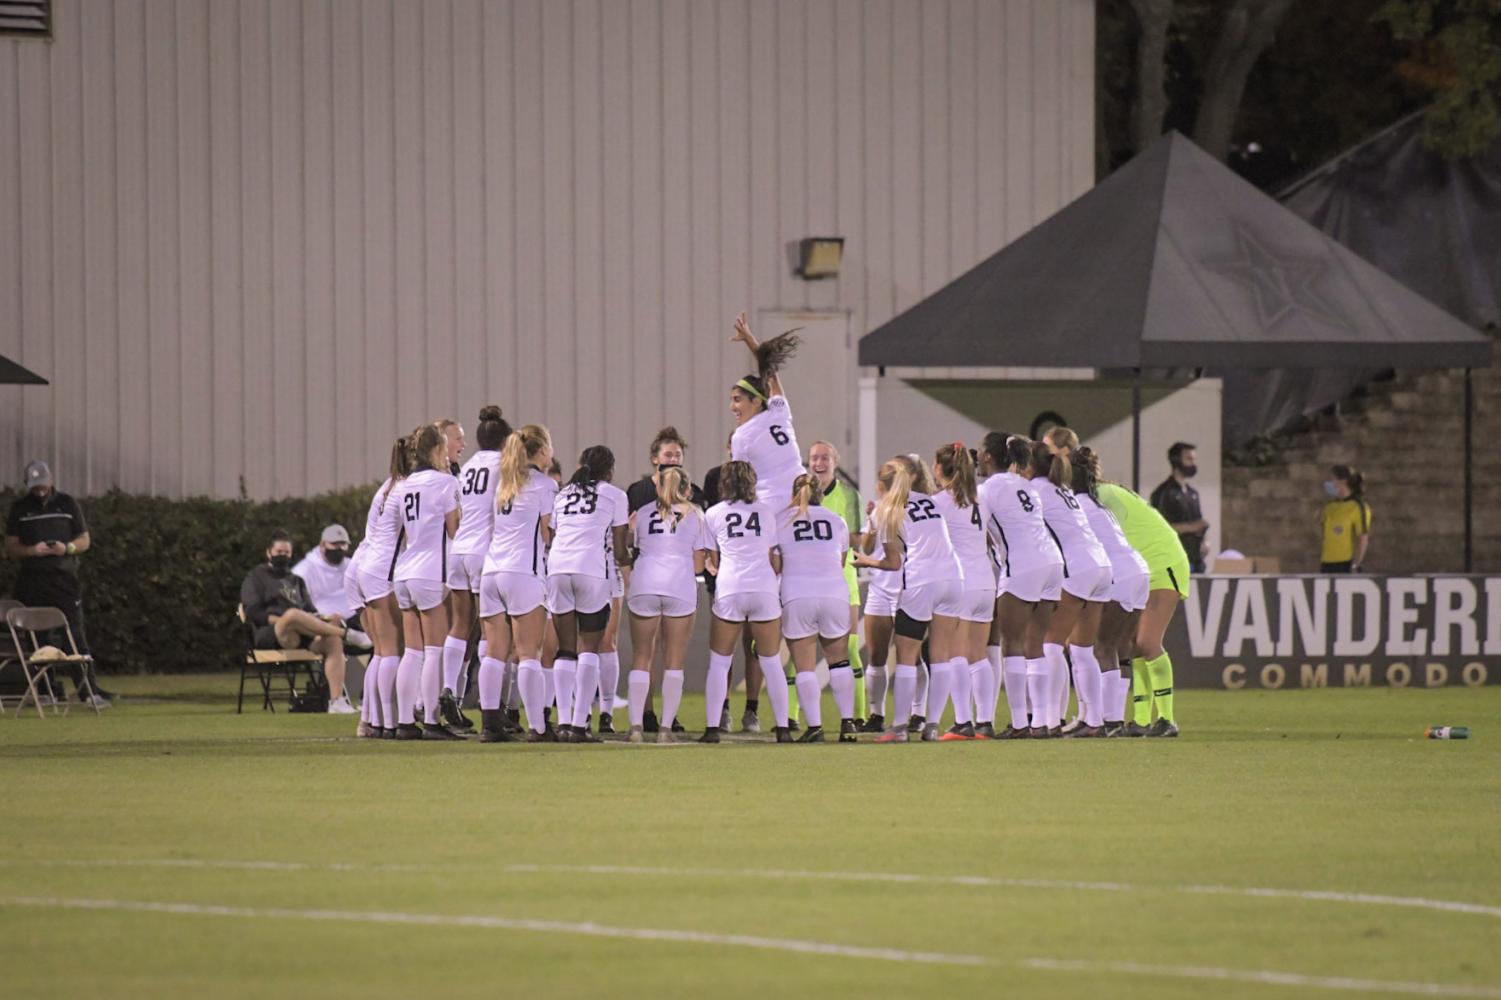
[
  {"x": 9, "y": 656},
  {"x": 33, "y": 623},
  {"x": 268, "y": 664}
]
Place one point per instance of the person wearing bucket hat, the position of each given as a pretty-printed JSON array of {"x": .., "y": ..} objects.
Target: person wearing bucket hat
[{"x": 46, "y": 531}]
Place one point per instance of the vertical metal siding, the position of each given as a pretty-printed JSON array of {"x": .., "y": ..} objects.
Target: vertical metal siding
[{"x": 251, "y": 242}]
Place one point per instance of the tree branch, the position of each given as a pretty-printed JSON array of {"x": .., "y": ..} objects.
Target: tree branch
[{"x": 1247, "y": 31}]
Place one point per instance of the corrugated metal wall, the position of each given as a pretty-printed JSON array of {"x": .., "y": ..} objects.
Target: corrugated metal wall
[{"x": 252, "y": 240}]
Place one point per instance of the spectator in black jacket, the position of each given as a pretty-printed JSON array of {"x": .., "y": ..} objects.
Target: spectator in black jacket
[
  {"x": 1178, "y": 502},
  {"x": 278, "y": 605}
]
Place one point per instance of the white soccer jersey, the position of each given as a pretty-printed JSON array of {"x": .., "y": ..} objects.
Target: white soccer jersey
[
  {"x": 967, "y": 534},
  {"x": 769, "y": 444},
  {"x": 377, "y": 553},
  {"x": 1124, "y": 560},
  {"x": 1012, "y": 508},
  {"x": 419, "y": 503},
  {"x": 582, "y": 522},
  {"x": 1069, "y": 526},
  {"x": 813, "y": 547},
  {"x": 478, "y": 481},
  {"x": 516, "y": 538},
  {"x": 743, "y": 534},
  {"x": 664, "y": 551},
  {"x": 930, "y": 554}
]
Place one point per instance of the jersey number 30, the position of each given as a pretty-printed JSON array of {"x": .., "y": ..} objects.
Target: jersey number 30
[{"x": 476, "y": 481}]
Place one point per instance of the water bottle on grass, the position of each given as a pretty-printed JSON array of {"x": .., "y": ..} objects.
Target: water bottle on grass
[{"x": 1448, "y": 732}]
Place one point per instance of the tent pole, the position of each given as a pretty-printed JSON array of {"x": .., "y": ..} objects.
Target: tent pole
[
  {"x": 1136, "y": 430},
  {"x": 865, "y": 470},
  {"x": 1469, "y": 473}
]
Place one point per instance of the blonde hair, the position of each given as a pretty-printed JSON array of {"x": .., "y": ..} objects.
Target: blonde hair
[
  {"x": 825, "y": 444},
  {"x": 1055, "y": 466},
  {"x": 672, "y": 491},
  {"x": 896, "y": 476},
  {"x": 805, "y": 493},
  {"x": 956, "y": 465},
  {"x": 515, "y": 458}
]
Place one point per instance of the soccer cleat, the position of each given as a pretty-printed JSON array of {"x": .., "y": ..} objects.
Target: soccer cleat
[
  {"x": 1056, "y": 732},
  {"x": 985, "y": 731},
  {"x": 1040, "y": 732},
  {"x": 606, "y": 724},
  {"x": 930, "y": 733},
  {"x": 848, "y": 730},
  {"x": 636, "y": 735},
  {"x": 546, "y": 736},
  {"x": 409, "y": 731},
  {"x": 792, "y": 725},
  {"x": 1085, "y": 733},
  {"x": 874, "y": 724},
  {"x": 711, "y": 735},
  {"x": 438, "y": 731},
  {"x": 1113, "y": 729},
  {"x": 495, "y": 736},
  {"x": 1132, "y": 729},
  {"x": 749, "y": 723},
  {"x": 916, "y": 723},
  {"x": 894, "y": 736},
  {"x": 362, "y": 731},
  {"x": 957, "y": 733},
  {"x": 513, "y": 720},
  {"x": 665, "y": 736},
  {"x": 581, "y": 734},
  {"x": 389, "y": 733},
  {"x": 1073, "y": 724},
  {"x": 1012, "y": 733},
  {"x": 448, "y": 711},
  {"x": 649, "y": 723},
  {"x": 813, "y": 735},
  {"x": 1163, "y": 728},
  {"x": 784, "y": 734}
]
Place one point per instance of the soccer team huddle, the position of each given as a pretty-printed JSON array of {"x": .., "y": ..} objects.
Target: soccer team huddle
[{"x": 1009, "y": 569}]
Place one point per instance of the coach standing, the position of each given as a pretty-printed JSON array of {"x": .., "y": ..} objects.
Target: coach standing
[
  {"x": 1178, "y": 502},
  {"x": 47, "y": 532}
]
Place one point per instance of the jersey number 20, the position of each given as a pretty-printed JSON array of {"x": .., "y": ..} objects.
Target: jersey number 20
[{"x": 807, "y": 531}]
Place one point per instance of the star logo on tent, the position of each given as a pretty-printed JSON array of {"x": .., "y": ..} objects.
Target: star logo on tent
[{"x": 1280, "y": 284}]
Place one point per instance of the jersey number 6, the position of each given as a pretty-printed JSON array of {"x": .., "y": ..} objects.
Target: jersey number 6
[{"x": 777, "y": 434}]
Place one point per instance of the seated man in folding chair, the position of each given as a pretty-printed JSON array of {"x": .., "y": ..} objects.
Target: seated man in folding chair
[
  {"x": 278, "y": 606},
  {"x": 46, "y": 531}
]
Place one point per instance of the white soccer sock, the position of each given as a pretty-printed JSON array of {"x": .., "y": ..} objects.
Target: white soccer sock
[
  {"x": 511, "y": 685},
  {"x": 920, "y": 693},
  {"x": 810, "y": 697},
  {"x": 1037, "y": 691},
  {"x": 533, "y": 684},
  {"x": 672, "y": 695},
  {"x": 408, "y": 685},
  {"x": 875, "y": 690},
  {"x": 588, "y": 683},
  {"x": 842, "y": 682},
  {"x": 370, "y": 691},
  {"x": 453, "y": 662},
  {"x": 637, "y": 682},
  {"x": 491, "y": 675},
  {"x": 387, "y": 683},
  {"x": 1087, "y": 684},
  {"x": 1015, "y": 669},
  {"x": 903, "y": 692},
  {"x": 982, "y": 691},
  {"x": 1057, "y": 689},
  {"x": 716, "y": 687},
  {"x": 776, "y": 687},
  {"x": 564, "y": 679},
  {"x": 962, "y": 691},
  {"x": 940, "y": 683},
  {"x": 993, "y": 657},
  {"x": 609, "y": 680},
  {"x": 1121, "y": 696},
  {"x": 432, "y": 682}
]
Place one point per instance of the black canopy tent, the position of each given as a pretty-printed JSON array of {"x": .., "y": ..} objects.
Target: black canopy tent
[
  {"x": 13, "y": 374},
  {"x": 1175, "y": 262}
]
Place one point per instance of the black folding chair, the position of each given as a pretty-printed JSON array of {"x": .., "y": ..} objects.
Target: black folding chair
[{"x": 269, "y": 664}]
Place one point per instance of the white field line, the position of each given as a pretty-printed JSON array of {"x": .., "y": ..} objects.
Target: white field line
[
  {"x": 1265, "y": 977},
  {"x": 894, "y": 878}
]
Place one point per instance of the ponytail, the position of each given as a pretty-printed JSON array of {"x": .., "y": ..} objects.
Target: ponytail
[
  {"x": 425, "y": 440},
  {"x": 957, "y": 466},
  {"x": 806, "y": 492},
  {"x": 401, "y": 466},
  {"x": 596, "y": 465},
  {"x": 1052, "y": 466},
  {"x": 896, "y": 477},
  {"x": 515, "y": 459},
  {"x": 1087, "y": 473},
  {"x": 672, "y": 491}
]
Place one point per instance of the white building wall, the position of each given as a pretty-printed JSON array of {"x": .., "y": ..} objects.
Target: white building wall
[{"x": 250, "y": 241}]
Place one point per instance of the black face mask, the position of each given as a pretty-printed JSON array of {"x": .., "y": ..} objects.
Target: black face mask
[
  {"x": 334, "y": 556},
  {"x": 669, "y": 465},
  {"x": 1188, "y": 471},
  {"x": 281, "y": 565}
]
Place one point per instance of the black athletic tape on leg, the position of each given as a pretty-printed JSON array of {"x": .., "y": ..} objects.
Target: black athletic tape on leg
[
  {"x": 565, "y": 654},
  {"x": 1138, "y": 697},
  {"x": 908, "y": 627},
  {"x": 841, "y": 663},
  {"x": 1164, "y": 692}
]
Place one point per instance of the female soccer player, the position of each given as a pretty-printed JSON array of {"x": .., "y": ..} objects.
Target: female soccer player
[
  {"x": 958, "y": 503},
  {"x": 453, "y": 439},
  {"x": 371, "y": 569},
  {"x": 916, "y": 541},
  {"x": 814, "y": 543},
  {"x": 742, "y": 534},
  {"x": 513, "y": 587},
  {"x": 1032, "y": 575},
  {"x": 671, "y": 549},
  {"x": 763, "y": 433},
  {"x": 589, "y": 518},
  {"x": 1345, "y": 522},
  {"x": 986, "y": 465},
  {"x": 882, "y": 592},
  {"x": 1131, "y": 583},
  {"x": 478, "y": 479},
  {"x": 840, "y": 497},
  {"x": 1086, "y": 587},
  {"x": 426, "y": 509},
  {"x": 1152, "y": 668}
]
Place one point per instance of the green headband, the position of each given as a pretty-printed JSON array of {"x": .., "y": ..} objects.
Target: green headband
[{"x": 745, "y": 384}]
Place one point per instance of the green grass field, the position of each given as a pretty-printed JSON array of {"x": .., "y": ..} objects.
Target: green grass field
[{"x": 1290, "y": 844}]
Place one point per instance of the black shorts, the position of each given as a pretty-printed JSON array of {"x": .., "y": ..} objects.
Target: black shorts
[
  {"x": 265, "y": 638},
  {"x": 1339, "y": 567}
]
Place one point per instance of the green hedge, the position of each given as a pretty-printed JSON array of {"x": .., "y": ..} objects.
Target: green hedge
[{"x": 162, "y": 580}]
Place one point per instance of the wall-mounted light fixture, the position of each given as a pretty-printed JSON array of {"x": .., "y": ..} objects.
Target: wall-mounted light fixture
[{"x": 819, "y": 257}]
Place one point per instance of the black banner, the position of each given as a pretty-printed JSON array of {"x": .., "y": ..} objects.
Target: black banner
[{"x": 1274, "y": 632}]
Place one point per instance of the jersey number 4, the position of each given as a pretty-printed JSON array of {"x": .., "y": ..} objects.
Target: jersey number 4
[
  {"x": 476, "y": 481},
  {"x": 808, "y": 531},
  {"x": 733, "y": 522}
]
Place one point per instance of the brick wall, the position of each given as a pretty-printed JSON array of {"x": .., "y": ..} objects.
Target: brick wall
[{"x": 1407, "y": 436}]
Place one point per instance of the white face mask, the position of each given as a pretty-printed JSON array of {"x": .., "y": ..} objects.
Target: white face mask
[{"x": 1331, "y": 487}]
